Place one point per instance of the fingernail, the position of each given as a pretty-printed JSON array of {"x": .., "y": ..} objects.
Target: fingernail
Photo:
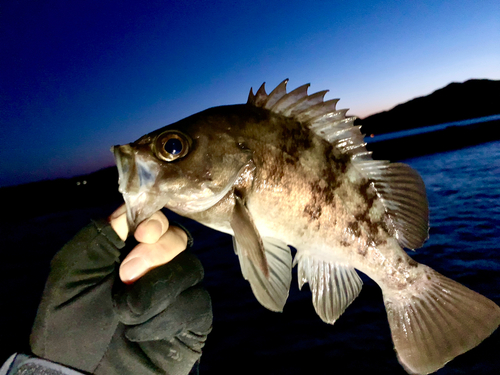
[{"x": 132, "y": 269}]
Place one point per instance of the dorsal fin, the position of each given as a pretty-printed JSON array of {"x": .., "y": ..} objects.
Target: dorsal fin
[
  {"x": 311, "y": 110},
  {"x": 401, "y": 189}
]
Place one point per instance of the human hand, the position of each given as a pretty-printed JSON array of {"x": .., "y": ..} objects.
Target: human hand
[
  {"x": 156, "y": 323},
  {"x": 158, "y": 243}
]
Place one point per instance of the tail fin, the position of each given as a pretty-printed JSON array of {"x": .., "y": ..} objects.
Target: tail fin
[{"x": 437, "y": 319}]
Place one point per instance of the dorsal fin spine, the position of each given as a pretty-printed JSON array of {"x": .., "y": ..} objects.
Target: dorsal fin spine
[
  {"x": 261, "y": 96},
  {"x": 328, "y": 117},
  {"x": 289, "y": 98},
  {"x": 251, "y": 97},
  {"x": 276, "y": 94},
  {"x": 318, "y": 110},
  {"x": 307, "y": 103}
]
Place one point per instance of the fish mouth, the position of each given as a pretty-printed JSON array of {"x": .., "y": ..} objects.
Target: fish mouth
[{"x": 137, "y": 180}]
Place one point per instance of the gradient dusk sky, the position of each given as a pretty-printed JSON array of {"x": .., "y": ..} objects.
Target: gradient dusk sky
[{"x": 79, "y": 76}]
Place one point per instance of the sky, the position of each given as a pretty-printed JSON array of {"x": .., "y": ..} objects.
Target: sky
[{"x": 77, "y": 77}]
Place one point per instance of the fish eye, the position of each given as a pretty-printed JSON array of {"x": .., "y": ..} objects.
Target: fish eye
[{"x": 172, "y": 145}]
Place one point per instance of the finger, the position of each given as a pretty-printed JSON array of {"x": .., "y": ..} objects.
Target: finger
[
  {"x": 144, "y": 257},
  {"x": 118, "y": 221},
  {"x": 119, "y": 211},
  {"x": 151, "y": 230}
]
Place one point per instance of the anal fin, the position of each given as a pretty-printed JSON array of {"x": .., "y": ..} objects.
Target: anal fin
[
  {"x": 334, "y": 285},
  {"x": 271, "y": 290}
]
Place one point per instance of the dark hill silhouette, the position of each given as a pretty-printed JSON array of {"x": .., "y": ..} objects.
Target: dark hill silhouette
[{"x": 457, "y": 101}]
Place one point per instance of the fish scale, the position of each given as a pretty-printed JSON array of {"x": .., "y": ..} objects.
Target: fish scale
[{"x": 289, "y": 169}]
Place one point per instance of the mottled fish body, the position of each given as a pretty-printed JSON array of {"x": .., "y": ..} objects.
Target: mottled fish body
[{"x": 290, "y": 169}]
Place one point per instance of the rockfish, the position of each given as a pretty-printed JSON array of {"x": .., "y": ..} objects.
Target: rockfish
[{"x": 289, "y": 169}]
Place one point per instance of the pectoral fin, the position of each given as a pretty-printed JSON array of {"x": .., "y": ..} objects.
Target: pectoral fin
[
  {"x": 271, "y": 291},
  {"x": 248, "y": 240},
  {"x": 265, "y": 263}
]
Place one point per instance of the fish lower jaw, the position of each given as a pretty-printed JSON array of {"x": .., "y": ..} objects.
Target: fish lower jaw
[
  {"x": 140, "y": 206},
  {"x": 189, "y": 207},
  {"x": 196, "y": 202}
]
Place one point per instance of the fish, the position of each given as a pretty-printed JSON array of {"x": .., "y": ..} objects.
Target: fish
[{"x": 289, "y": 169}]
